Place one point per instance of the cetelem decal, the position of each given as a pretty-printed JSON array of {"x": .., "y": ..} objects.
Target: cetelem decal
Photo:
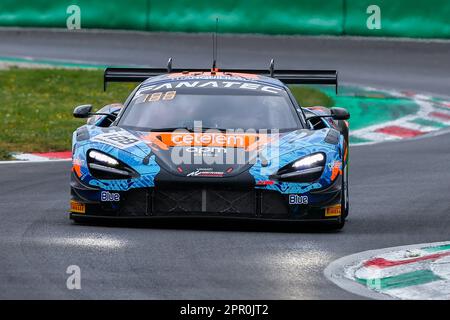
[
  {"x": 248, "y": 141},
  {"x": 208, "y": 139}
]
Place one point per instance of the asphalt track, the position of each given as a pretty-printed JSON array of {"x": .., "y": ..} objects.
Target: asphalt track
[{"x": 399, "y": 190}]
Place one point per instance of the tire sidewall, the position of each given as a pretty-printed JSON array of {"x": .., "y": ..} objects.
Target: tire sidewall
[
  {"x": 345, "y": 205},
  {"x": 345, "y": 198}
]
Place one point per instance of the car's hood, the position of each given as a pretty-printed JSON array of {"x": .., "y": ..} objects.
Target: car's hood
[{"x": 209, "y": 154}]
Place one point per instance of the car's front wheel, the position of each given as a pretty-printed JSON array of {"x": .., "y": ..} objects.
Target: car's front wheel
[{"x": 344, "y": 201}]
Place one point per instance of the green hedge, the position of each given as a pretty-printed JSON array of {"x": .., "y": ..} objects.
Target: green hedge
[{"x": 399, "y": 18}]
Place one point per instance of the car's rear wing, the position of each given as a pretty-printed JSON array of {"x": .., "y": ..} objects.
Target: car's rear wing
[{"x": 287, "y": 76}]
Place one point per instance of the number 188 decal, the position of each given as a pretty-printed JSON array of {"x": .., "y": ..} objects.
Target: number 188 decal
[
  {"x": 156, "y": 96},
  {"x": 117, "y": 139}
]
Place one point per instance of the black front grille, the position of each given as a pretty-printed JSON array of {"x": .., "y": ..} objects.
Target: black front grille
[
  {"x": 135, "y": 203},
  {"x": 170, "y": 201},
  {"x": 231, "y": 201},
  {"x": 274, "y": 204},
  {"x": 209, "y": 201},
  {"x": 198, "y": 200}
]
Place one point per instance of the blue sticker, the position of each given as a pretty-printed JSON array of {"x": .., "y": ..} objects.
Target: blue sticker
[
  {"x": 298, "y": 199},
  {"x": 109, "y": 196}
]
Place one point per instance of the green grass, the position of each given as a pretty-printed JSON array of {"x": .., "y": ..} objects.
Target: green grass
[
  {"x": 309, "y": 97},
  {"x": 36, "y": 105},
  {"x": 5, "y": 155}
]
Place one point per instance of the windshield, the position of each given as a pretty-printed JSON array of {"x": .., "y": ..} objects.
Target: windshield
[{"x": 219, "y": 108}]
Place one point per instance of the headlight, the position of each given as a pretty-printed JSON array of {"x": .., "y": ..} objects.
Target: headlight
[
  {"x": 309, "y": 161},
  {"x": 103, "y": 166},
  {"x": 101, "y": 157},
  {"x": 306, "y": 169}
]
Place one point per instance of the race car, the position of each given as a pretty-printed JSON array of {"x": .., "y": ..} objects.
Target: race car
[{"x": 210, "y": 143}]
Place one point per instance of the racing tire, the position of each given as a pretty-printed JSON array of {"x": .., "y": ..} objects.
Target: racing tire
[
  {"x": 343, "y": 128},
  {"x": 344, "y": 201}
]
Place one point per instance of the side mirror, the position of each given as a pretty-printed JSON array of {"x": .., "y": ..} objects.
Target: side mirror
[
  {"x": 106, "y": 115},
  {"x": 83, "y": 111},
  {"x": 339, "y": 113}
]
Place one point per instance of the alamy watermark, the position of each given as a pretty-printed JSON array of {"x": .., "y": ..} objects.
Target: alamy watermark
[
  {"x": 233, "y": 146},
  {"x": 374, "y": 19},
  {"x": 73, "y": 281},
  {"x": 73, "y": 21}
]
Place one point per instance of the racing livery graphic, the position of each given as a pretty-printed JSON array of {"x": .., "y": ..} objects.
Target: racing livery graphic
[{"x": 210, "y": 143}]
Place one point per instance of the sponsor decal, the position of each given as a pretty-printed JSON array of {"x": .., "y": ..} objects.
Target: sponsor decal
[
  {"x": 77, "y": 207},
  {"x": 183, "y": 138},
  {"x": 206, "y": 150},
  {"x": 249, "y": 140},
  {"x": 298, "y": 199},
  {"x": 76, "y": 166},
  {"x": 205, "y": 172},
  {"x": 217, "y": 75},
  {"x": 334, "y": 211},
  {"x": 234, "y": 146},
  {"x": 107, "y": 196},
  {"x": 336, "y": 169},
  {"x": 265, "y": 183},
  {"x": 120, "y": 140},
  {"x": 209, "y": 139},
  {"x": 211, "y": 84}
]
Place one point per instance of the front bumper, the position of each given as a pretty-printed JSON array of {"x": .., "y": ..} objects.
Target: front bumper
[
  {"x": 204, "y": 201},
  {"x": 195, "y": 217}
]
